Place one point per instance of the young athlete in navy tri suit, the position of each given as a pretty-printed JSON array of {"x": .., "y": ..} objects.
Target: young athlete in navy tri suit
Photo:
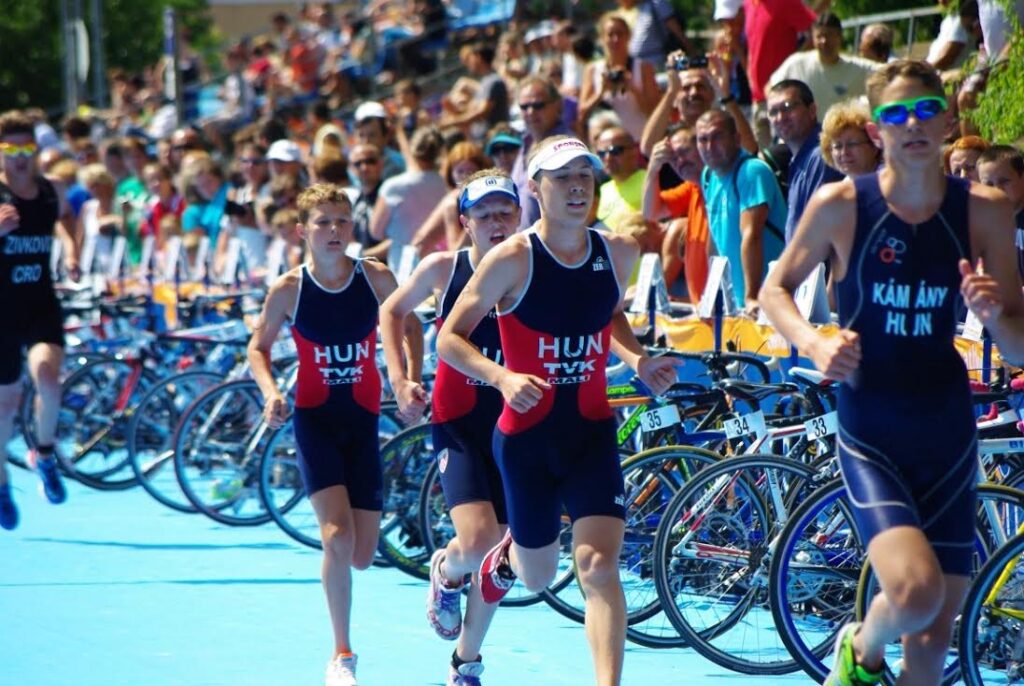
[
  {"x": 558, "y": 294},
  {"x": 902, "y": 243},
  {"x": 464, "y": 412},
  {"x": 332, "y": 304}
]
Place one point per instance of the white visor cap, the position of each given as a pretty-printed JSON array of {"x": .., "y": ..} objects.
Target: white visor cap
[
  {"x": 560, "y": 153},
  {"x": 478, "y": 189}
]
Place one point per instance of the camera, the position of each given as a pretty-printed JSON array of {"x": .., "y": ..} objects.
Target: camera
[
  {"x": 616, "y": 76},
  {"x": 699, "y": 62}
]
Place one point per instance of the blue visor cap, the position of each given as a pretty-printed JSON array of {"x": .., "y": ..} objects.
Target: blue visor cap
[{"x": 478, "y": 189}]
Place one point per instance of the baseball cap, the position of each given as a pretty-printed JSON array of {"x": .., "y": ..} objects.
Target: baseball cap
[
  {"x": 284, "y": 151},
  {"x": 370, "y": 110},
  {"x": 503, "y": 138},
  {"x": 478, "y": 189},
  {"x": 560, "y": 153}
]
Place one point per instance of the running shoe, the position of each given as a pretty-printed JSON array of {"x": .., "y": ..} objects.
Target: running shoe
[
  {"x": 467, "y": 674},
  {"x": 846, "y": 671},
  {"x": 8, "y": 510},
  {"x": 444, "y": 602},
  {"x": 52, "y": 486},
  {"x": 341, "y": 671},
  {"x": 496, "y": 575}
]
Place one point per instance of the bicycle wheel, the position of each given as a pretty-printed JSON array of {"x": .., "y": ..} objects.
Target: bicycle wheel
[
  {"x": 282, "y": 492},
  {"x": 97, "y": 401},
  {"x": 650, "y": 478},
  {"x": 992, "y": 620},
  {"x": 712, "y": 551},
  {"x": 151, "y": 429},
  {"x": 405, "y": 460},
  {"x": 813, "y": 577},
  {"x": 217, "y": 446},
  {"x": 1009, "y": 510}
]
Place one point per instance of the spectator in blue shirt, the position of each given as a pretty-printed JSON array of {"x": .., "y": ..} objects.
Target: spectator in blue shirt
[
  {"x": 746, "y": 212},
  {"x": 212, "y": 190},
  {"x": 794, "y": 118}
]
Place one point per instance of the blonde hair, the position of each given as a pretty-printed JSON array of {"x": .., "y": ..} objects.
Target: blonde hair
[
  {"x": 613, "y": 16},
  {"x": 65, "y": 170},
  {"x": 320, "y": 194},
  {"x": 842, "y": 116},
  {"x": 95, "y": 173}
]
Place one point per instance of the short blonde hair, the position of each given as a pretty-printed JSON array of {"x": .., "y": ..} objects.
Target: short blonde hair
[
  {"x": 95, "y": 173},
  {"x": 321, "y": 194},
  {"x": 842, "y": 116},
  {"x": 65, "y": 170}
]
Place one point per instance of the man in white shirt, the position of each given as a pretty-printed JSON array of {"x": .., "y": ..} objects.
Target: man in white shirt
[{"x": 830, "y": 75}]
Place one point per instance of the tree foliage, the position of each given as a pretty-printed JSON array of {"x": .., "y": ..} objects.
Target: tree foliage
[
  {"x": 32, "y": 48},
  {"x": 1000, "y": 112}
]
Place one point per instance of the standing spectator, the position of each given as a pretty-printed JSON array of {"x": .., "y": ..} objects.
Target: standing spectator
[
  {"x": 771, "y": 27},
  {"x": 411, "y": 113},
  {"x": 685, "y": 248},
  {"x": 367, "y": 163},
  {"x": 657, "y": 31},
  {"x": 99, "y": 222},
  {"x": 961, "y": 158},
  {"x": 405, "y": 201},
  {"x": 997, "y": 26},
  {"x": 510, "y": 60},
  {"x": 830, "y": 75},
  {"x": 876, "y": 43},
  {"x": 794, "y": 117},
  {"x": 619, "y": 81},
  {"x": 285, "y": 158},
  {"x": 572, "y": 68},
  {"x": 845, "y": 143},
  {"x": 490, "y": 106},
  {"x": 1002, "y": 167},
  {"x": 621, "y": 196},
  {"x": 541, "y": 106},
  {"x": 959, "y": 35},
  {"x": 204, "y": 217},
  {"x": 372, "y": 127},
  {"x": 746, "y": 212}
]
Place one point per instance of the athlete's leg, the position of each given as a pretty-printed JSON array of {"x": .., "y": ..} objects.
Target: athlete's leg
[
  {"x": 10, "y": 398},
  {"x": 597, "y": 542},
  {"x": 476, "y": 532},
  {"x": 913, "y": 592},
  {"x": 924, "y": 653},
  {"x": 535, "y": 567},
  {"x": 367, "y": 530},
  {"x": 44, "y": 363},
  {"x": 338, "y": 535}
]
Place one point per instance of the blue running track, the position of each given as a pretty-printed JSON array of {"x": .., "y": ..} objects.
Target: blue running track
[{"x": 111, "y": 589}]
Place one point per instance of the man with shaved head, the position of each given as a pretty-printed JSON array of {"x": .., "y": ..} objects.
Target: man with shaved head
[{"x": 621, "y": 196}]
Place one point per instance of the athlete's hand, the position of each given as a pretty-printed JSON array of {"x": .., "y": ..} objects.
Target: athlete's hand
[
  {"x": 837, "y": 357},
  {"x": 412, "y": 400},
  {"x": 9, "y": 219},
  {"x": 275, "y": 411},
  {"x": 522, "y": 392},
  {"x": 658, "y": 373},
  {"x": 980, "y": 292}
]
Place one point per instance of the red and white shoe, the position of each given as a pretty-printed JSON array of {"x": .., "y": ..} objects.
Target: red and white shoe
[
  {"x": 496, "y": 575},
  {"x": 444, "y": 602}
]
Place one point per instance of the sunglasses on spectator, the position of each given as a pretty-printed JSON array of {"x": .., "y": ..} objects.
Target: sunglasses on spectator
[
  {"x": 787, "y": 106},
  {"x": 504, "y": 149},
  {"x": 898, "y": 112},
  {"x": 368, "y": 162},
  {"x": 537, "y": 105},
  {"x": 613, "y": 151},
  {"x": 14, "y": 150}
]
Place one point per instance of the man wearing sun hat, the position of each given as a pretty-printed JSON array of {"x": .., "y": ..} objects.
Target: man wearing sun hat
[
  {"x": 557, "y": 290},
  {"x": 372, "y": 126}
]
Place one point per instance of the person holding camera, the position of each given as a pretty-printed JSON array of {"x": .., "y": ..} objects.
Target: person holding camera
[
  {"x": 694, "y": 84},
  {"x": 618, "y": 82}
]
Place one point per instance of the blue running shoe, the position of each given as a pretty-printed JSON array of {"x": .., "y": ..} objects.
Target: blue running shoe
[
  {"x": 8, "y": 510},
  {"x": 468, "y": 674},
  {"x": 52, "y": 485}
]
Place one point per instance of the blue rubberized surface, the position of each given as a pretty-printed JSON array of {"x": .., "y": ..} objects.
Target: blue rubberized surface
[{"x": 112, "y": 589}]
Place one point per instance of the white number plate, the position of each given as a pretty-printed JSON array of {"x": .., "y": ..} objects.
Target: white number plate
[
  {"x": 819, "y": 427},
  {"x": 660, "y": 418},
  {"x": 746, "y": 425}
]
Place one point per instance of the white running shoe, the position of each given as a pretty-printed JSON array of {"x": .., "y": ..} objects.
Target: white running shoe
[
  {"x": 341, "y": 671},
  {"x": 444, "y": 603},
  {"x": 468, "y": 674}
]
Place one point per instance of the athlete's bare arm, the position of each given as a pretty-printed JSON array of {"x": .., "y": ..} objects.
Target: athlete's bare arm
[
  {"x": 278, "y": 307},
  {"x": 995, "y": 294},
  {"x": 657, "y": 373},
  {"x": 430, "y": 276},
  {"x": 825, "y": 232},
  {"x": 497, "y": 282},
  {"x": 383, "y": 283}
]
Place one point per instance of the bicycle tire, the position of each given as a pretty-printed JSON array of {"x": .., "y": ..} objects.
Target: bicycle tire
[
  {"x": 405, "y": 460},
  {"x": 282, "y": 492}
]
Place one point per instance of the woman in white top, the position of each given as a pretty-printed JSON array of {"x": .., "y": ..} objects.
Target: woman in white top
[
  {"x": 98, "y": 222},
  {"x": 620, "y": 82}
]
